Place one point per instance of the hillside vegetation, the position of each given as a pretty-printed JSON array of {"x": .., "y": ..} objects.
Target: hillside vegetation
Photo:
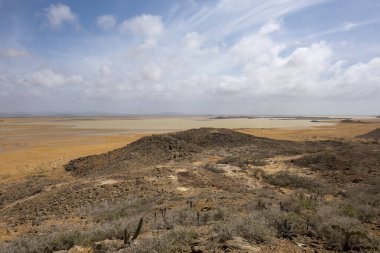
[{"x": 203, "y": 190}]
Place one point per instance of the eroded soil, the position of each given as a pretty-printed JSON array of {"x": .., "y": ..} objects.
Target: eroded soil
[
  {"x": 227, "y": 176},
  {"x": 211, "y": 186}
]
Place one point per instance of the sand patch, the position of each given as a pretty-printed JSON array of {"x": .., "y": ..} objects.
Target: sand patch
[
  {"x": 182, "y": 189},
  {"x": 108, "y": 182}
]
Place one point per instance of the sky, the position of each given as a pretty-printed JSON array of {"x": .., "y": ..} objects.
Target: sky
[{"x": 272, "y": 57}]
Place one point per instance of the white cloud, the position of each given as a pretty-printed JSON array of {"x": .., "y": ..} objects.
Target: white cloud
[
  {"x": 257, "y": 49},
  {"x": 255, "y": 66},
  {"x": 144, "y": 25},
  {"x": 106, "y": 22},
  {"x": 151, "y": 73},
  {"x": 105, "y": 70},
  {"x": 192, "y": 40},
  {"x": 14, "y": 53},
  {"x": 222, "y": 52},
  {"x": 48, "y": 78},
  {"x": 58, "y": 14},
  {"x": 358, "y": 80},
  {"x": 270, "y": 27},
  {"x": 232, "y": 84},
  {"x": 349, "y": 25}
]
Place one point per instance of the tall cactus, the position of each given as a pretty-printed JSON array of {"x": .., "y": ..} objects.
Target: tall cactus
[
  {"x": 127, "y": 236},
  {"x": 138, "y": 230}
]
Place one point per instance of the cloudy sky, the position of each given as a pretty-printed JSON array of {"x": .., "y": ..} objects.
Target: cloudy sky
[{"x": 190, "y": 56}]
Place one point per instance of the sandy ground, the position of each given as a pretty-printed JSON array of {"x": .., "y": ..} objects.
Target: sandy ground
[
  {"x": 30, "y": 146},
  {"x": 336, "y": 131}
]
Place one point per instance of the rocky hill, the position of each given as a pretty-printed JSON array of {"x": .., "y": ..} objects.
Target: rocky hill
[
  {"x": 375, "y": 134},
  {"x": 202, "y": 190}
]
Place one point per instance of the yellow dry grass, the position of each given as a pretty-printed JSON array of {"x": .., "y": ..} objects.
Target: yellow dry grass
[
  {"x": 27, "y": 149},
  {"x": 337, "y": 131},
  {"x": 43, "y": 145}
]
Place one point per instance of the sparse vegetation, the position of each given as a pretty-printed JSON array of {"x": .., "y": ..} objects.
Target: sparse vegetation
[
  {"x": 255, "y": 228},
  {"x": 323, "y": 200},
  {"x": 244, "y": 163},
  {"x": 291, "y": 180}
]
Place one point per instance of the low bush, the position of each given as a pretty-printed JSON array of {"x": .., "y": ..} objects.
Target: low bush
[
  {"x": 342, "y": 233},
  {"x": 176, "y": 240},
  {"x": 243, "y": 162},
  {"x": 290, "y": 180},
  {"x": 255, "y": 228},
  {"x": 213, "y": 168}
]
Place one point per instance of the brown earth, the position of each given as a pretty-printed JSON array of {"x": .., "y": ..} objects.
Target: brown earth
[
  {"x": 375, "y": 134},
  {"x": 233, "y": 181},
  {"x": 225, "y": 176}
]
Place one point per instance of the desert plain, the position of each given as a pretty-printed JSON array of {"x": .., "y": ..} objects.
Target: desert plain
[
  {"x": 195, "y": 175},
  {"x": 36, "y": 144}
]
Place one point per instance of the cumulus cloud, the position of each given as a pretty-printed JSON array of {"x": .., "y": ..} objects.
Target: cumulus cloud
[
  {"x": 59, "y": 14},
  {"x": 358, "y": 80},
  {"x": 255, "y": 66},
  {"x": 151, "y": 73},
  {"x": 106, "y": 22},
  {"x": 233, "y": 51},
  {"x": 48, "y": 78},
  {"x": 144, "y": 25},
  {"x": 192, "y": 40},
  {"x": 270, "y": 27},
  {"x": 258, "y": 48}
]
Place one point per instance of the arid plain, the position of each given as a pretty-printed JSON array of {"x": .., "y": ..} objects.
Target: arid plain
[
  {"x": 31, "y": 145},
  {"x": 216, "y": 171},
  {"x": 45, "y": 144}
]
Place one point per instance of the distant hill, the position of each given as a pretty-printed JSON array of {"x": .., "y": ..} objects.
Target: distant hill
[{"x": 375, "y": 134}]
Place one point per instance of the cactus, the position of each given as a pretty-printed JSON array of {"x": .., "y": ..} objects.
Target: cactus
[
  {"x": 286, "y": 229},
  {"x": 261, "y": 205},
  {"x": 286, "y": 226},
  {"x": 348, "y": 236},
  {"x": 127, "y": 236},
  {"x": 163, "y": 212},
  {"x": 138, "y": 230},
  {"x": 282, "y": 207}
]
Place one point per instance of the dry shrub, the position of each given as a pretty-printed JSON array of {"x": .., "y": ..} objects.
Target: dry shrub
[
  {"x": 299, "y": 203},
  {"x": 341, "y": 232},
  {"x": 113, "y": 210},
  {"x": 213, "y": 168},
  {"x": 46, "y": 243},
  {"x": 244, "y": 162},
  {"x": 176, "y": 240},
  {"x": 258, "y": 173},
  {"x": 68, "y": 236},
  {"x": 362, "y": 202},
  {"x": 255, "y": 227},
  {"x": 287, "y": 179}
]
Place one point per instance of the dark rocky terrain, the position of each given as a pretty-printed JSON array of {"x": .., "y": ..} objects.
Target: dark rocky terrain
[
  {"x": 375, "y": 134},
  {"x": 203, "y": 190}
]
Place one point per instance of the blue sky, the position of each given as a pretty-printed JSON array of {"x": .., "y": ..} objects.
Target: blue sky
[{"x": 190, "y": 56}]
